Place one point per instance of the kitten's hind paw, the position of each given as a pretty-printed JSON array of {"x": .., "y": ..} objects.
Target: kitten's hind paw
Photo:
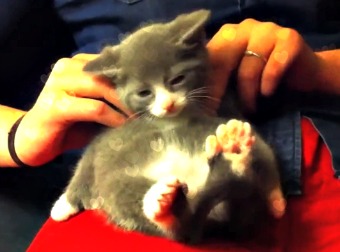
[
  {"x": 234, "y": 141},
  {"x": 277, "y": 203},
  {"x": 62, "y": 209},
  {"x": 158, "y": 201}
]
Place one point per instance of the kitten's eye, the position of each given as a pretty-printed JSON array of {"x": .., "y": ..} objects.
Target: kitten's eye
[
  {"x": 145, "y": 93},
  {"x": 177, "y": 80}
]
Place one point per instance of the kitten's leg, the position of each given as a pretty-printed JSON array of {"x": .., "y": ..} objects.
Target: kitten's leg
[
  {"x": 277, "y": 202},
  {"x": 63, "y": 209},
  {"x": 158, "y": 201},
  {"x": 77, "y": 192},
  {"x": 234, "y": 141}
]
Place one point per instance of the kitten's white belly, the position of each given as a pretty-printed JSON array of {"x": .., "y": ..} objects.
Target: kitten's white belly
[{"x": 192, "y": 170}]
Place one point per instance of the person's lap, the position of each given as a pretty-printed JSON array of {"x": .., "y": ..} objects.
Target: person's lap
[{"x": 311, "y": 223}]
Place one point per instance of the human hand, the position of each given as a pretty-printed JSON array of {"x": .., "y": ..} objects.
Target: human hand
[
  {"x": 284, "y": 54},
  {"x": 61, "y": 117}
]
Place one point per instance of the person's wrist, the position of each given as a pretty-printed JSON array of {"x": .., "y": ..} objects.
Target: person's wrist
[
  {"x": 12, "y": 135},
  {"x": 27, "y": 139}
]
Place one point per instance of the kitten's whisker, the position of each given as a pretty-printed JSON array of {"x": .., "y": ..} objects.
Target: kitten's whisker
[
  {"x": 202, "y": 99},
  {"x": 198, "y": 92},
  {"x": 201, "y": 89},
  {"x": 134, "y": 115},
  {"x": 147, "y": 117},
  {"x": 203, "y": 96},
  {"x": 203, "y": 105}
]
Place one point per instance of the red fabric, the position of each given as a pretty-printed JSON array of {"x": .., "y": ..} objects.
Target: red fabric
[{"x": 311, "y": 224}]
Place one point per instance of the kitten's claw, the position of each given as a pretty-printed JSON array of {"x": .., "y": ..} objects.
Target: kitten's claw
[
  {"x": 158, "y": 200},
  {"x": 62, "y": 209},
  {"x": 234, "y": 140}
]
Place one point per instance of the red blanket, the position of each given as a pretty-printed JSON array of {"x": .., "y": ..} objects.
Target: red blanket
[{"x": 311, "y": 223}]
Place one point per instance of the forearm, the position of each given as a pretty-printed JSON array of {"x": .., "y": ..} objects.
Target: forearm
[
  {"x": 8, "y": 117},
  {"x": 329, "y": 72}
]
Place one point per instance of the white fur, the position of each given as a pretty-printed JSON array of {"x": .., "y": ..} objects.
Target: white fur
[
  {"x": 192, "y": 170},
  {"x": 164, "y": 97},
  {"x": 62, "y": 209},
  {"x": 164, "y": 189}
]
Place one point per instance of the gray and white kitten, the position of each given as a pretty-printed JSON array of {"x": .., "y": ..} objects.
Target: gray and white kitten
[{"x": 174, "y": 171}]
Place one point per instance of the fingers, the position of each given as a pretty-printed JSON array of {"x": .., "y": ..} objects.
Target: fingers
[
  {"x": 279, "y": 48},
  {"x": 67, "y": 75},
  {"x": 85, "y": 86},
  {"x": 67, "y": 65},
  {"x": 250, "y": 70},
  {"x": 72, "y": 95},
  {"x": 85, "y": 56},
  {"x": 84, "y": 109},
  {"x": 226, "y": 50},
  {"x": 288, "y": 46},
  {"x": 67, "y": 109}
]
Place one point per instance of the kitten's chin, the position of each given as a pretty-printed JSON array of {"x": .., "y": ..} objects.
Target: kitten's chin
[
  {"x": 172, "y": 114},
  {"x": 167, "y": 114}
]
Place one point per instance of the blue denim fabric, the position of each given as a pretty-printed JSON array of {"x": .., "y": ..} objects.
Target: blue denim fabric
[
  {"x": 284, "y": 134},
  {"x": 96, "y": 23}
]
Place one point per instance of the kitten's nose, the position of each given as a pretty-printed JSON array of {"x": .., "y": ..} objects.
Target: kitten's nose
[{"x": 169, "y": 106}]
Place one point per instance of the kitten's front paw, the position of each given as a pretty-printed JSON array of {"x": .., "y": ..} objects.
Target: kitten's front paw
[
  {"x": 158, "y": 200},
  {"x": 62, "y": 209},
  {"x": 234, "y": 141}
]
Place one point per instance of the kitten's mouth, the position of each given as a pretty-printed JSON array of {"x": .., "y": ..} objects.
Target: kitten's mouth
[
  {"x": 172, "y": 110},
  {"x": 168, "y": 109}
]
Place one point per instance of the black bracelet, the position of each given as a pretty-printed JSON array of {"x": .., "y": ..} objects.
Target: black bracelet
[{"x": 11, "y": 139}]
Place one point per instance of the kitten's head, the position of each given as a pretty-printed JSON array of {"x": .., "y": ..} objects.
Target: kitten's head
[{"x": 159, "y": 68}]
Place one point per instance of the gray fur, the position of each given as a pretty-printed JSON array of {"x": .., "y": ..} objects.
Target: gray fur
[{"x": 117, "y": 165}]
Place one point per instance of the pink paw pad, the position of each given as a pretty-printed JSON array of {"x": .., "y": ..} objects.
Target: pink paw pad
[
  {"x": 234, "y": 140},
  {"x": 158, "y": 200}
]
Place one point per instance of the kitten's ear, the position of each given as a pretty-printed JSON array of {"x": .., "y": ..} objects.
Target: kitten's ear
[
  {"x": 190, "y": 28},
  {"x": 105, "y": 64}
]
